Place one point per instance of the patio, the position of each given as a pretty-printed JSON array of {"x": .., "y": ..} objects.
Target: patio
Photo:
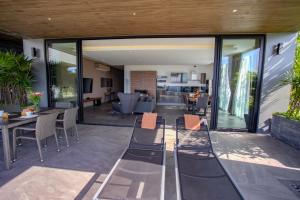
[
  {"x": 67, "y": 174},
  {"x": 77, "y": 172},
  {"x": 123, "y": 73}
]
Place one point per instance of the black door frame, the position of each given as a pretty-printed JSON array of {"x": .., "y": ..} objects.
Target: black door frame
[
  {"x": 216, "y": 71},
  {"x": 218, "y": 57},
  {"x": 79, "y": 72}
]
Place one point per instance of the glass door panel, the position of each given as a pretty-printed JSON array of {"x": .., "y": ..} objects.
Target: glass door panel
[
  {"x": 238, "y": 75},
  {"x": 62, "y": 68}
]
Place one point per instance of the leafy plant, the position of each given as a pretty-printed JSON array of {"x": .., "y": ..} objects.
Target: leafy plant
[
  {"x": 35, "y": 99},
  {"x": 15, "y": 78},
  {"x": 293, "y": 78}
]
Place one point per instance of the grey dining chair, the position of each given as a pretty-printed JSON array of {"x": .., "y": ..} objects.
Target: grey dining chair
[
  {"x": 11, "y": 108},
  {"x": 188, "y": 104},
  {"x": 202, "y": 103},
  {"x": 63, "y": 104},
  {"x": 68, "y": 123},
  {"x": 45, "y": 127}
]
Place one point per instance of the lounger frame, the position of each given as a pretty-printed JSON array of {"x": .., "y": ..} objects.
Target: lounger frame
[
  {"x": 179, "y": 193},
  {"x": 162, "y": 192}
]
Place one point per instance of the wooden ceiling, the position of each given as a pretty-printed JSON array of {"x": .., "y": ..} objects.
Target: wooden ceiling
[{"x": 97, "y": 18}]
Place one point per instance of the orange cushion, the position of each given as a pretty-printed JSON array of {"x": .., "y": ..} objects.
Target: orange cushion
[
  {"x": 192, "y": 122},
  {"x": 149, "y": 120}
]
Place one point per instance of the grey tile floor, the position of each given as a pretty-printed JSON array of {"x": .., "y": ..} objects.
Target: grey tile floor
[
  {"x": 103, "y": 115},
  {"x": 225, "y": 120},
  {"x": 257, "y": 163},
  {"x": 254, "y": 162},
  {"x": 67, "y": 174}
]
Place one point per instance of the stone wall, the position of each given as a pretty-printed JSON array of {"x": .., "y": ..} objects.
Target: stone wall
[{"x": 286, "y": 130}]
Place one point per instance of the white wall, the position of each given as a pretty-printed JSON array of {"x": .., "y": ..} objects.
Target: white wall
[
  {"x": 275, "y": 96},
  {"x": 39, "y": 67},
  {"x": 166, "y": 70},
  {"x": 89, "y": 71}
]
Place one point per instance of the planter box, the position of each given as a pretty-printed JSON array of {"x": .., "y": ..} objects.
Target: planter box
[{"x": 286, "y": 130}]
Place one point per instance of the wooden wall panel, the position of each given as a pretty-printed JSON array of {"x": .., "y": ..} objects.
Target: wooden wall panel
[
  {"x": 143, "y": 80},
  {"x": 97, "y": 18}
]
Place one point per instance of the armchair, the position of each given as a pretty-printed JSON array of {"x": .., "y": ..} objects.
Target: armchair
[{"x": 127, "y": 103}]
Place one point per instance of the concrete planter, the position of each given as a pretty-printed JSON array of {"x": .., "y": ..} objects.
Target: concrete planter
[{"x": 286, "y": 130}]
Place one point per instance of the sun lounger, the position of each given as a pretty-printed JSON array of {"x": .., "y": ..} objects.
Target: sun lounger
[
  {"x": 199, "y": 174},
  {"x": 140, "y": 172}
]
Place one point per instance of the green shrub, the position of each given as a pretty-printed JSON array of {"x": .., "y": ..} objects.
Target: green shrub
[
  {"x": 15, "y": 78},
  {"x": 293, "y": 78}
]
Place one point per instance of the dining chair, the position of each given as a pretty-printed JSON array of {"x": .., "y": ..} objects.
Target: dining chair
[
  {"x": 45, "y": 127},
  {"x": 68, "y": 123},
  {"x": 202, "y": 103},
  {"x": 189, "y": 105},
  {"x": 186, "y": 101},
  {"x": 11, "y": 108},
  {"x": 63, "y": 104}
]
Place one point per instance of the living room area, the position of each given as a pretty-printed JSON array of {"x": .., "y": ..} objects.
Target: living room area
[{"x": 123, "y": 78}]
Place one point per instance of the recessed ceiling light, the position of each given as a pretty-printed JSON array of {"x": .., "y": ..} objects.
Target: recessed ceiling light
[
  {"x": 133, "y": 13},
  {"x": 49, "y": 19},
  {"x": 234, "y": 11}
]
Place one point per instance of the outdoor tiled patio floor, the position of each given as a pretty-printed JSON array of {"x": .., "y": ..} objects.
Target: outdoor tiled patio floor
[
  {"x": 257, "y": 163},
  {"x": 254, "y": 162},
  {"x": 67, "y": 174}
]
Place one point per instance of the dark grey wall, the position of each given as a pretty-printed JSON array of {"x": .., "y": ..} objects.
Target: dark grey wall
[
  {"x": 8, "y": 43},
  {"x": 274, "y": 96},
  {"x": 39, "y": 67}
]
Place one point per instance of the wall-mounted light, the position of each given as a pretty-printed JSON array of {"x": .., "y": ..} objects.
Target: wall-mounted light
[
  {"x": 277, "y": 49},
  {"x": 35, "y": 53}
]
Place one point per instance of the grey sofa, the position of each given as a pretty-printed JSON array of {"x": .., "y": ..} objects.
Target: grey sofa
[
  {"x": 127, "y": 103},
  {"x": 145, "y": 104}
]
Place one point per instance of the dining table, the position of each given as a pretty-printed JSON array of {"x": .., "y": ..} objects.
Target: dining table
[{"x": 15, "y": 120}]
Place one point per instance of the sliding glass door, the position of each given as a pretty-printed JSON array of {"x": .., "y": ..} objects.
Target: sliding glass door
[
  {"x": 64, "y": 74},
  {"x": 239, "y": 71}
]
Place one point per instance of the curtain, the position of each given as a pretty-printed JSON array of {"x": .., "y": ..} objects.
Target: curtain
[
  {"x": 224, "y": 87},
  {"x": 248, "y": 69}
]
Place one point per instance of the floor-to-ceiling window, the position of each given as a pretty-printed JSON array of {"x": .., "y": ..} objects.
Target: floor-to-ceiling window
[
  {"x": 238, "y": 79},
  {"x": 236, "y": 90},
  {"x": 62, "y": 69}
]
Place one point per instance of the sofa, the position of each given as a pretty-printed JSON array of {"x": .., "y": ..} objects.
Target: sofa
[
  {"x": 145, "y": 104},
  {"x": 127, "y": 103}
]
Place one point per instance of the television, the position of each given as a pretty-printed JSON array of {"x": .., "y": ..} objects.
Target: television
[{"x": 87, "y": 85}]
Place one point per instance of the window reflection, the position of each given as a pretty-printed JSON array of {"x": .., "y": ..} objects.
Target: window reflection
[
  {"x": 237, "y": 84},
  {"x": 63, "y": 68}
]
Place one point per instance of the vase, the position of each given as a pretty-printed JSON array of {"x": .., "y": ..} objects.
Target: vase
[{"x": 37, "y": 108}]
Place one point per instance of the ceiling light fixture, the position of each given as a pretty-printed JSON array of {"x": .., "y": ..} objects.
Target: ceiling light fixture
[
  {"x": 133, "y": 13},
  {"x": 49, "y": 19},
  {"x": 234, "y": 11}
]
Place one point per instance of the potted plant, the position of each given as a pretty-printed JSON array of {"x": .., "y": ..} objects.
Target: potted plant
[
  {"x": 286, "y": 125},
  {"x": 35, "y": 99}
]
